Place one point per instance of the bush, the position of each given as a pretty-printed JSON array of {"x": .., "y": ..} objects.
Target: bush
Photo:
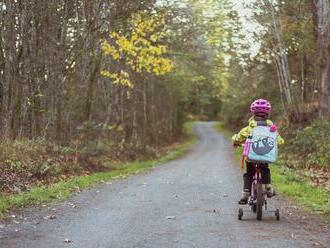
[
  {"x": 27, "y": 162},
  {"x": 310, "y": 145},
  {"x": 236, "y": 113}
]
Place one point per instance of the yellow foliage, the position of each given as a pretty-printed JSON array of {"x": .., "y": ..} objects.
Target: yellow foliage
[
  {"x": 140, "y": 50},
  {"x": 109, "y": 50},
  {"x": 121, "y": 78}
]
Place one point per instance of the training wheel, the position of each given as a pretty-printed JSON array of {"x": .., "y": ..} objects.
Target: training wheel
[{"x": 277, "y": 214}]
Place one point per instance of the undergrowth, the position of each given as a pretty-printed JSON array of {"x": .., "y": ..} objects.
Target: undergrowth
[{"x": 67, "y": 185}]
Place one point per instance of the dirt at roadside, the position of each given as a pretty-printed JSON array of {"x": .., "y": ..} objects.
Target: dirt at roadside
[{"x": 313, "y": 224}]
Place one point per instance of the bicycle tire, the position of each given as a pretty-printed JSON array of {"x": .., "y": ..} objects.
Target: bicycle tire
[
  {"x": 254, "y": 208},
  {"x": 260, "y": 201},
  {"x": 240, "y": 213}
]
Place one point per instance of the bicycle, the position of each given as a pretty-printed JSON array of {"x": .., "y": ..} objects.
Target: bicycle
[{"x": 257, "y": 199}]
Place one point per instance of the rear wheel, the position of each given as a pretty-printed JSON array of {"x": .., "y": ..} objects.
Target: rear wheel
[
  {"x": 254, "y": 208},
  {"x": 240, "y": 213},
  {"x": 260, "y": 201}
]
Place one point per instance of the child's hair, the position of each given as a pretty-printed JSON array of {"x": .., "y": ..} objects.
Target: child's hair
[{"x": 260, "y": 116}]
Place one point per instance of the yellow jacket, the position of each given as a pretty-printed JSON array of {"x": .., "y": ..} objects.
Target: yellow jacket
[{"x": 241, "y": 137}]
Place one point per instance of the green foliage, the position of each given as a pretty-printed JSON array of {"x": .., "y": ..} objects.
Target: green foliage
[
  {"x": 310, "y": 145},
  {"x": 220, "y": 126},
  {"x": 199, "y": 34},
  {"x": 246, "y": 86},
  {"x": 235, "y": 112}
]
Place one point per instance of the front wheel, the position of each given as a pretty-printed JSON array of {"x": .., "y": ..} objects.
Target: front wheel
[{"x": 260, "y": 201}]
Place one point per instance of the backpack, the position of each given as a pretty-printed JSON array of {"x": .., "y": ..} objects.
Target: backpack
[{"x": 262, "y": 146}]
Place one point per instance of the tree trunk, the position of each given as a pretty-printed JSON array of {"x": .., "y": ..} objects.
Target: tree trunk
[
  {"x": 283, "y": 64},
  {"x": 323, "y": 13}
]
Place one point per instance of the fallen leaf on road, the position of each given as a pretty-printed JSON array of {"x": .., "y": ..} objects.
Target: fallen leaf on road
[
  {"x": 50, "y": 217},
  {"x": 67, "y": 241},
  {"x": 225, "y": 195},
  {"x": 293, "y": 236},
  {"x": 170, "y": 217},
  {"x": 211, "y": 211}
]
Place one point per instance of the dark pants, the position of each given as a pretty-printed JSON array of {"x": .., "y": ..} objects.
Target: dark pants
[{"x": 250, "y": 170}]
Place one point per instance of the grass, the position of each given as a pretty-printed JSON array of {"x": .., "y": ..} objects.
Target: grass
[
  {"x": 287, "y": 182},
  {"x": 66, "y": 188},
  {"x": 310, "y": 197}
]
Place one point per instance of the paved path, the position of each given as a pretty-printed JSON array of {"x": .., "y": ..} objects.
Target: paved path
[{"x": 190, "y": 202}]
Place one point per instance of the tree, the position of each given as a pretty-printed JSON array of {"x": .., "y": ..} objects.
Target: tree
[{"x": 323, "y": 27}]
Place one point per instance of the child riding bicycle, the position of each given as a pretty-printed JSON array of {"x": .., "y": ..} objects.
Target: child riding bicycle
[{"x": 260, "y": 110}]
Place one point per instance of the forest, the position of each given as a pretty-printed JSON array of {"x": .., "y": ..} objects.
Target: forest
[{"x": 85, "y": 84}]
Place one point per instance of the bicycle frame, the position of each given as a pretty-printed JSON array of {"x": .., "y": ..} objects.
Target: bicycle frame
[{"x": 257, "y": 179}]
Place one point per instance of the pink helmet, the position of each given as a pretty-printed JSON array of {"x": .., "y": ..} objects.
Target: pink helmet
[{"x": 261, "y": 106}]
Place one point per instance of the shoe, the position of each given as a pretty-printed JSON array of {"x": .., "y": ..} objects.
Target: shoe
[
  {"x": 270, "y": 192},
  {"x": 244, "y": 198}
]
